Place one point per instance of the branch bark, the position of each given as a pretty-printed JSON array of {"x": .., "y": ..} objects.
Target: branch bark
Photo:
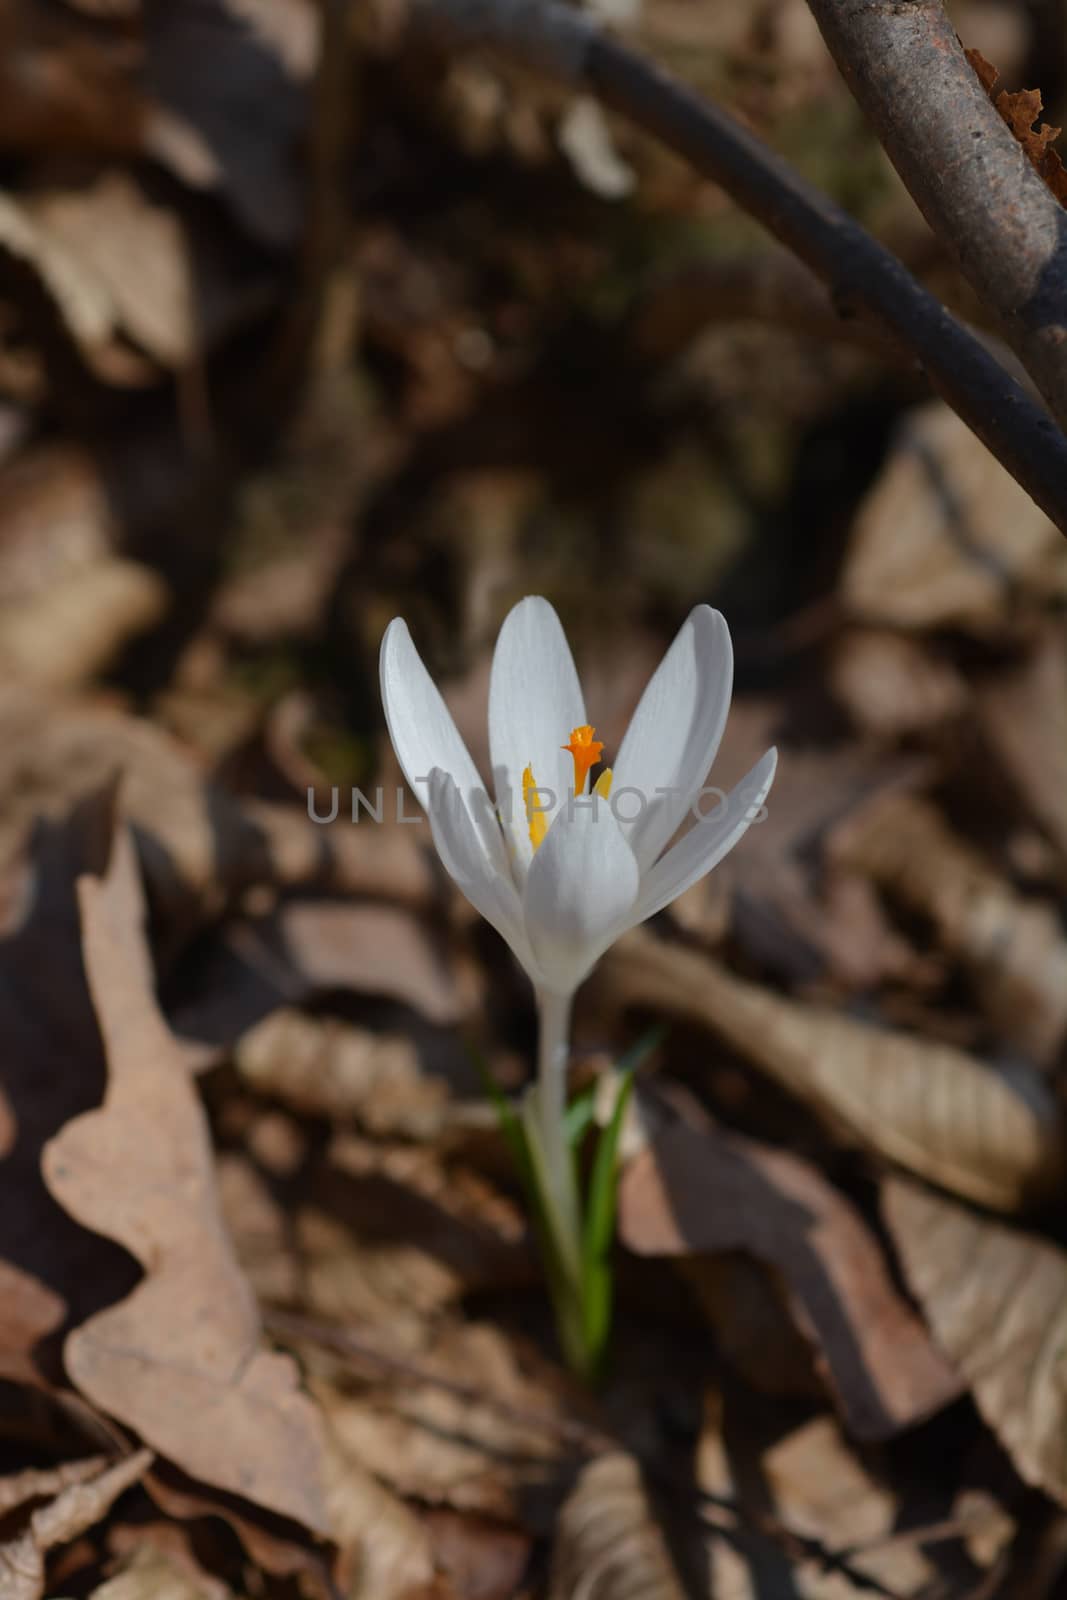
[
  {"x": 965, "y": 169},
  {"x": 862, "y": 276}
]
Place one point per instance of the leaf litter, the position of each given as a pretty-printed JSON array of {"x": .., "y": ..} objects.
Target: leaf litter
[{"x": 271, "y": 1319}]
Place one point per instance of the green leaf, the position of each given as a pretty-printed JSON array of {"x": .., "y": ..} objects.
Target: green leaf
[
  {"x": 580, "y": 1115},
  {"x": 650, "y": 1040},
  {"x": 600, "y": 1226}
]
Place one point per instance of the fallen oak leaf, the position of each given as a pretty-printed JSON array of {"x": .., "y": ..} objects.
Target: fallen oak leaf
[
  {"x": 51, "y": 1270},
  {"x": 996, "y": 1300},
  {"x": 76, "y": 1508},
  {"x": 943, "y": 1114},
  {"x": 178, "y": 1359},
  {"x": 702, "y": 1191}
]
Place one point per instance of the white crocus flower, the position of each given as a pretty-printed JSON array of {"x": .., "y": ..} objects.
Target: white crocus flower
[{"x": 559, "y": 870}]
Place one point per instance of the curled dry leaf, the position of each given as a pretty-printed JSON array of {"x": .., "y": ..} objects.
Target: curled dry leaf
[
  {"x": 699, "y": 1190},
  {"x": 179, "y": 1359},
  {"x": 75, "y": 1508},
  {"x": 946, "y": 533},
  {"x": 1014, "y": 949},
  {"x": 37, "y": 1482},
  {"x": 945, "y": 1115},
  {"x": 609, "y": 1544},
  {"x": 996, "y": 1300}
]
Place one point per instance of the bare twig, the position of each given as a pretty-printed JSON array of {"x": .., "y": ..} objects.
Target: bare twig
[
  {"x": 967, "y": 172},
  {"x": 863, "y": 277}
]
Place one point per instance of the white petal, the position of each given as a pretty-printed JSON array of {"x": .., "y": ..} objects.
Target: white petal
[
  {"x": 535, "y": 700},
  {"x": 704, "y": 846},
  {"x": 424, "y": 737},
  {"x": 580, "y": 888},
  {"x": 675, "y": 732},
  {"x": 490, "y": 892}
]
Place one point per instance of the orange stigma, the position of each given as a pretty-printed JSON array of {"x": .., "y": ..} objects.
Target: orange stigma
[{"x": 586, "y": 752}]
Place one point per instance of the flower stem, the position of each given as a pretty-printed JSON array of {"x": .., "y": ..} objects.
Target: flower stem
[{"x": 554, "y": 1018}]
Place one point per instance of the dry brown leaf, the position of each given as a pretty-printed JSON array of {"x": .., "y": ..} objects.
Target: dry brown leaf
[
  {"x": 996, "y": 1300},
  {"x": 277, "y": 1552},
  {"x": 946, "y": 535},
  {"x": 68, "y": 601},
  {"x": 179, "y": 1360},
  {"x": 775, "y": 910},
  {"x": 1014, "y": 949},
  {"x": 152, "y": 1574},
  {"x": 129, "y": 260},
  {"x": 86, "y": 317},
  {"x": 426, "y": 1435},
  {"x": 1024, "y": 715},
  {"x": 37, "y": 1482},
  {"x": 1020, "y": 111},
  {"x": 609, "y": 1545},
  {"x": 485, "y": 1560},
  {"x": 818, "y": 1490},
  {"x": 50, "y": 1268},
  {"x": 892, "y": 685},
  {"x": 754, "y": 1330},
  {"x": 943, "y": 1114},
  {"x": 29, "y": 1311},
  {"x": 61, "y": 94},
  {"x": 702, "y": 1191},
  {"x": 386, "y": 1552},
  {"x": 73, "y": 631},
  {"x": 75, "y": 1508},
  {"x": 305, "y": 947},
  {"x": 326, "y": 1067},
  {"x": 55, "y": 520},
  {"x": 200, "y": 848}
]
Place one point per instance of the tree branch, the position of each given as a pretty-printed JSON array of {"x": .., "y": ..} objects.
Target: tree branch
[
  {"x": 863, "y": 277},
  {"x": 965, "y": 169}
]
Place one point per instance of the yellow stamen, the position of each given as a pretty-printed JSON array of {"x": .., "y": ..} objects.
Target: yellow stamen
[
  {"x": 535, "y": 813},
  {"x": 586, "y": 751}
]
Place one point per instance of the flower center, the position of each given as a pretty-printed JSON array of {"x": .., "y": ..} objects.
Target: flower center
[{"x": 586, "y": 752}]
